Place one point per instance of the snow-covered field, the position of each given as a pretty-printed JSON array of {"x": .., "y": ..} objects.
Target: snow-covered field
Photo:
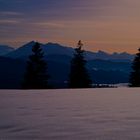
[{"x": 87, "y": 114}]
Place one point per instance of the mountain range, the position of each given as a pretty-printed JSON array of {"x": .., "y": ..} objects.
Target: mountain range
[
  {"x": 56, "y": 49},
  {"x": 103, "y": 67},
  {"x": 4, "y": 49}
]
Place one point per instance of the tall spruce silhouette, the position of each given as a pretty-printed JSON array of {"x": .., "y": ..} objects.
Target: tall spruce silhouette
[
  {"x": 35, "y": 75},
  {"x": 135, "y": 74},
  {"x": 79, "y": 77}
]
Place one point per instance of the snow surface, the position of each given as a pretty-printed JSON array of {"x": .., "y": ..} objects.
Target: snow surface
[{"x": 87, "y": 114}]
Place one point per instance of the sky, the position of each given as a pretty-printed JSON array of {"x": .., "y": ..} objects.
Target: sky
[{"x": 108, "y": 25}]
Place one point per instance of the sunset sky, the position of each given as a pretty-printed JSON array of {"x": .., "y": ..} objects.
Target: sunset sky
[{"x": 109, "y": 25}]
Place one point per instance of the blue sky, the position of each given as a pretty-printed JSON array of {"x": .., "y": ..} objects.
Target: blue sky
[{"x": 108, "y": 25}]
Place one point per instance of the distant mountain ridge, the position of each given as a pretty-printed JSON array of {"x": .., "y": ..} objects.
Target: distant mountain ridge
[
  {"x": 48, "y": 49},
  {"x": 107, "y": 56},
  {"x": 4, "y": 49},
  {"x": 56, "y": 49}
]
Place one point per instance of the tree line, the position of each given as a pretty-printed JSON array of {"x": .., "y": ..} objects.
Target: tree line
[
  {"x": 36, "y": 75},
  {"x": 134, "y": 80}
]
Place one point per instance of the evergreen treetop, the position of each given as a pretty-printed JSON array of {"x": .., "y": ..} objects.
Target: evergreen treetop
[
  {"x": 36, "y": 72},
  {"x": 79, "y": 77},
  {"x": 135, "y": 74}
]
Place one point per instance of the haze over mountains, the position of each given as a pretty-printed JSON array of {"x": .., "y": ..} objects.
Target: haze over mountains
[{"x": 103, "y": 67}]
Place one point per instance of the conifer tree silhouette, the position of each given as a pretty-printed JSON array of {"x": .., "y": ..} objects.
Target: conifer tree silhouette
[
  {"x": 35, "y": 75},
  {"x": 135, "y": 74},
  {"x": 79, "y": 77}
]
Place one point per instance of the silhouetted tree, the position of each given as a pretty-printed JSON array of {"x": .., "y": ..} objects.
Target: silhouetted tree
[
  {"x": 36, "y": 76},
  {"x": 79, "y": 77},
  {"x": 135, "y": 74}
]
